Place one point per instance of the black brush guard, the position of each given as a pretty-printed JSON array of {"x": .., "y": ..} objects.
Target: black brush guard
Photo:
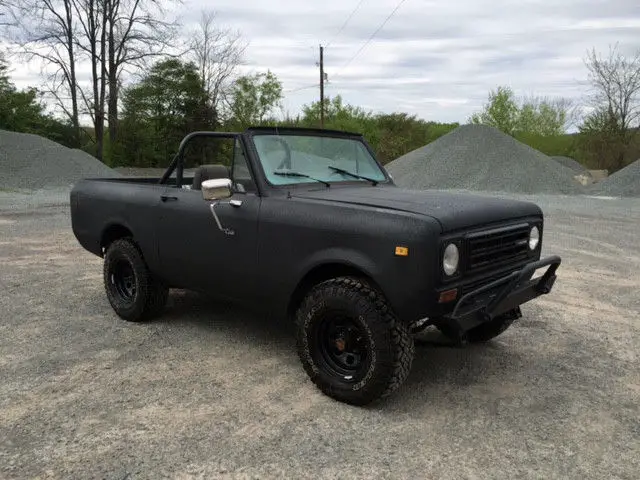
[{"x": 493, "y": 299}]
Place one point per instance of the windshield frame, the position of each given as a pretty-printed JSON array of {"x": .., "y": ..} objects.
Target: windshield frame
[{"x": 312, "y": 132}]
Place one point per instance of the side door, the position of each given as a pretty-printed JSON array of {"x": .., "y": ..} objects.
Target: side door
[{"x": 211, "y": 246}]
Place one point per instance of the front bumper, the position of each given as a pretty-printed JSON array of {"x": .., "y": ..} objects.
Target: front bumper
[{"x": 503, "y": 295}]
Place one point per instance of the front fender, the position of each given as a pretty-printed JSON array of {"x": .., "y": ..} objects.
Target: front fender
[
  {"x": 339, "y": 256},
  {"x": 406, "y": 292}
]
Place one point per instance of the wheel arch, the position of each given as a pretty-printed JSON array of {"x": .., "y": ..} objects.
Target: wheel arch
[
  {"x": 112, "y": 232},
  {"x": 322, "y": 272}
]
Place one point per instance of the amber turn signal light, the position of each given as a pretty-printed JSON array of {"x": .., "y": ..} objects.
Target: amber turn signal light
[{"x": 448, "y": 296}]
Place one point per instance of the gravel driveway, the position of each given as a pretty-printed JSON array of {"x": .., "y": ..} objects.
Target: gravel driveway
[{"x": 213, "y": 391}]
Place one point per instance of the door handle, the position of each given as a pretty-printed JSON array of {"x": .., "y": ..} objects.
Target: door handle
[{"x": 167, "y": 198}]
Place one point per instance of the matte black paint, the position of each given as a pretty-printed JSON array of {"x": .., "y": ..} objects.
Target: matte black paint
[{"x": 283, "y": 233}]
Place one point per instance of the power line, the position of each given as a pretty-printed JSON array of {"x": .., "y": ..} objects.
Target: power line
[
  {"x": 371, "y": 37},
  {"x": 301, "y": 88},
  {"x": 345, "y": 22}
]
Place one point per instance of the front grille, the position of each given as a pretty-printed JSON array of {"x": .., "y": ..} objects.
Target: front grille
[
  {"x": 480, "y": 282},
  {"x": 497, "y": 248}
]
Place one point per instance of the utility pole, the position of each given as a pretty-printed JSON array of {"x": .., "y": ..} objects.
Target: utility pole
[{"x": 321, "y": 86}]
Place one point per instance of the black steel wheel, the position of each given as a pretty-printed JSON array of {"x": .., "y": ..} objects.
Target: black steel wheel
[
  {"x": 123, "y": 280},
  {"x": 133, "y": 292},
  {"x": 342, "y": 345},
  {"x": 350, "y": 343}
]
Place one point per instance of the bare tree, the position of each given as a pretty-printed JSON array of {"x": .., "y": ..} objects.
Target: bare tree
[
  {"x": 4, "y": 7},
  {"x": 111, "y": 34},
  {"x": 135, "y": 32},
  {"x": 92, "y": 16},
  {"x": 615, "y": 82},
  {"x": 217, "y": 52},
  {"x": 45, "y": 30}
]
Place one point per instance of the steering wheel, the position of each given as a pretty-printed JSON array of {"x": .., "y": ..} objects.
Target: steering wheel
[{"x": 286, "y": 162}]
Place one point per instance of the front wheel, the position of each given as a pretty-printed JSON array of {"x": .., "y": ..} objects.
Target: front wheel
[
  {"x": 133, "y": 292},
  {"x": 350, "y": 343}
]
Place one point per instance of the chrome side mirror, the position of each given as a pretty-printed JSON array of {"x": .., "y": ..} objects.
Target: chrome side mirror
[{"x": 217, "y": 189}]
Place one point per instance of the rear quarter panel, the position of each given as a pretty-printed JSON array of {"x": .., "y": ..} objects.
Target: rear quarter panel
[{"x": 97, "y": 205}]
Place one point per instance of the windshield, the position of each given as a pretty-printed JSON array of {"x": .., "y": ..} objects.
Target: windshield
[{"x": 310, "y": 158}]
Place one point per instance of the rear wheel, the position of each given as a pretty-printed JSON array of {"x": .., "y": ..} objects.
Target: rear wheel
[
  {"x": 350, "y": 343},
  {"x": 133, "y": 292}
]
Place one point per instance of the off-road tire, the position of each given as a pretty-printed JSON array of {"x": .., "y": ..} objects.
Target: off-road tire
[
  {"x": 149, "y": 295},
  {"x": 389, "y": 343},
  {"x": 485, "y": 331}
]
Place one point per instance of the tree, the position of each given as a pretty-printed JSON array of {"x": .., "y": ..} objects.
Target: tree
[
  {"x": 217, "y": 53},
  {"x": 111, "y": 34},
  {"x": 135, "y": 33},
  {"x": 400, "y": 133},
  {"x": 45, "y": 30},
  {"x": 4, "y": 19},
  {"x": 529, "y": 116},
  {"x": 501, "y": 111},
  {"x": 92, "y": 19},
  {"x": 615, "y": 100},
  {"x": 543, "y": 116},
  {"x": 254, "y": 97},
  {"x": 339, "y": 115},
  {"x": 159, "y": 111},
  {"x": 22, "y": 111}
]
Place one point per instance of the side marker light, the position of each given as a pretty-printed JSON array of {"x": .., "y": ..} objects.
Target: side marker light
[{"x": 448, "y": 296}]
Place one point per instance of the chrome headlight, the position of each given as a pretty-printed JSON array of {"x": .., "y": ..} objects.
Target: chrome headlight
[
  {"x": 450, "y": 259},
  {"x": 534, "y": 238}
]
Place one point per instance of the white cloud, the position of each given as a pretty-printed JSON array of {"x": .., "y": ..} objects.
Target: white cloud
[{"x": 437, "y": 59}]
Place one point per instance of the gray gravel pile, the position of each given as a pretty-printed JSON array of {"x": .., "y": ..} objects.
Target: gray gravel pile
[
  {"x": 571, "y": 163},
  {"x": 623, "y": 183},
  {"x": 477, "y": 157},
  {"x": 140, "y": 172},
  {"x": 32, "y": 162}
]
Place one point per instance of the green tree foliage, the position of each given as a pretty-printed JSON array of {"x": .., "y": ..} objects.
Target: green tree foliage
[
  {"x": 254, "y": 98},
  {"x": 501, "y": 111},
  {"x": 390, "y": 135},
  {"x": 22, "y": 111},
  {"x": 565, "y": 145},
  {"x": 602, "y": 142},
  {"x": 168, "y": 103},
  {"x": 533, "y": 116}
]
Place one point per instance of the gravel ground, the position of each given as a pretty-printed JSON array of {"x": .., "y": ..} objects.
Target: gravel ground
[
  {"x": 625, "y": 182},
  {"x": 477, "y": 157},
  {"x": 213, "y": 391},
  {"x": 26, "y": 201},
  {"x": 32, "y": 162}
]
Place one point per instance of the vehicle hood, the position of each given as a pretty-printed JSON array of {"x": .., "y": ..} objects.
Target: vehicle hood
[{"x": 453, "y": 211}]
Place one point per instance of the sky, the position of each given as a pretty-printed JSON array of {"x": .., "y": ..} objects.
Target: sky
[{"x": 437, "y": 59}]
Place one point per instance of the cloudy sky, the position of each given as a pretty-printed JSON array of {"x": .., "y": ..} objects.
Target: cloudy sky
[{"x": 435, "y": 58}]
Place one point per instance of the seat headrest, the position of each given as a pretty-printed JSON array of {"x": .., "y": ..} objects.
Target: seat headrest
[{"x": 208, "y": 172}]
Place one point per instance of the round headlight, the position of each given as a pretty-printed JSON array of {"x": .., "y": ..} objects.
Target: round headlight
[
  {"x": 450, "y": 259},
  {"x": 534, "y": 238}
]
